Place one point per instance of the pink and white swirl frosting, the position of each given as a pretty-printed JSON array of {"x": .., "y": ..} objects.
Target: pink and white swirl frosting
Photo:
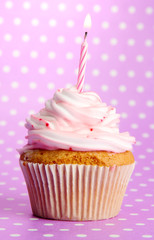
[{"x": 76, "y": 121}]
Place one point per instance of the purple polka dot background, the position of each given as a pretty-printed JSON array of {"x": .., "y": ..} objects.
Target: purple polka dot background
[{"x": 39, "y": 52}]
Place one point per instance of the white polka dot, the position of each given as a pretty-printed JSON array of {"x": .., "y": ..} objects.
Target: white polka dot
[
  {"x": 113, "y": 73},
  {"x": 131, "y": 74},
  {"x": 69, "y": 55},
  {"x": 63, "y": 229},
  {"x": 145, "y": 135},
  {"x": 70, "y": 23},
  {"x": 2, "y": 123},
  {"x": 150, "y": 219},
  {"x": 113, "y": 41},
  {"x": 96, "y": 40},
  {"x": 114, "y": 102},
  {"x": 48, "y": 224},
  {"x": 95, "y": 72},
  {"x": 44, "y": 6},
  {"x": 48, "y": 235},
  {"x": 42, "y": 70},
  {"x": 128, "y": 229},
  {"x": 43, "y": 38},
  {"x": 140, "y": 26},
  {"x": 131, "y": 42},
  {"x": 122, "y": 88},
  {"x": 131, "y": 9},
  {"x": 32, "y": 111},
  {"x": 138, "y": 200},
  {"x": 114, "y": 9},
  {"x": 32, "y": 85},
  {"x": 7, "y": 37},
  {"x": 11, "y": 133},
  {"x": 51, "y": 86},
  {"x": 16, "y": 53},
  {"x": 15, "y": 235},
  {"x": 61, "y": 39},
  {"x": 2, "y": 229},
  {"x": 52, "y": 22},
  {"x": 34, "y": 54},
  {"x": 62, "y": 7},
  {"x": 79, "y": 224},
  {"x": 1, "y": 20},
  {"x": 60, "y": 71},
  {"x": 142, "y": 115},
  {"x": 132, "y": 103},
  {"x": 140, "y": 224},
  {"x": 138, "y": 143},
  {"x": 134, "y": 214},
  {"x": 147, "y": 236},
  {"x": 150, "y": 103},
  {"x": 35, "y": 22},
  {"x": 13, "y": 111},
  {"x": 14, "y": 84},
  {"x": 41, "y": 99},
  {"x": 6, "y": 69},
  {"x": 149, "y": 10},
  {"x": 97, "y": 8},
  {"x": 104, "y": 88},
  {"x": 78, "y": 40},
  {"x": 148, "y": 43},
  {"x": 128, "y": 205},
  {"x": 139, "y": 58},
  {"x": 26, "y": 5},
  {"x": 122, "y": 25},
  {"x": 149, "y": 150},
  {"x": 148, "y": 74},
  {"x": 146, "y": 168},
  {"x": 96, "y": 229},
  {"x": 104, "y": 57},
  {"x": 151, "y": 126},
  {"x": 21, "y": 123},
  {"x": 122, "y": 58},
  {"x": 7, "y": 162},
  {"x": 24, "y": 69},
  {"x": 17, "y": 21},
  {"x": 4, "y": 98},
  {"x": 105, "y": 25},
  {"x": 114, "y": 235},
  {"x": 23, "y": 99},
  {"x": 9, "y": 4},
  {"x": 143, "y": 184},
  {"x": 9, "y": 149},
  {"x": 124, "y": 115},
  {"x": 32, "y": 229},
  {"x": 151, "y": 179},
  {"x": 79, "y": 7},
  {"x": 51, "y": 55},
  {"x": 25, "y": 38},
  {"x": 140, "y": 89},
  {"x": 1, "y": 141},
  {"x": 134, "y": 126},
  {"x": 81, "y": 235}
]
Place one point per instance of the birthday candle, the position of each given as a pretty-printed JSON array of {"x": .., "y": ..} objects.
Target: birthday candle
[{"x": 83, "y": 55}]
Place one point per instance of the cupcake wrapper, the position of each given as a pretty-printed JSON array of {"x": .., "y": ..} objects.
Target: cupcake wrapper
[{"x": 76, "y": 192}]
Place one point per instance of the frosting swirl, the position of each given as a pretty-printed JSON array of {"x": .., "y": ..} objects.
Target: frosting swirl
[{"x": 76, "y": 121}]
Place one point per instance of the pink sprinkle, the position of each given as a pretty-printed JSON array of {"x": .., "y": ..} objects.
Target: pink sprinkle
[
  {"x": 47, "y": 124},
  {"x": 101, "y": 120},
  {"x": 70, "y": 149},
  {"x": 40, "y": 119},
  {"x": 32, "y": 125},
  {"x": 91, "y": 129},
  {"x": 58, "y": 90}
]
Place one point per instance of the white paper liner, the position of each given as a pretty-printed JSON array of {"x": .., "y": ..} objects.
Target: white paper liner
[{"x": 76, "y": 192}]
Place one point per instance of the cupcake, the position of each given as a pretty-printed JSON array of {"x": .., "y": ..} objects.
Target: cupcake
[{"x": 76, "y": 163}]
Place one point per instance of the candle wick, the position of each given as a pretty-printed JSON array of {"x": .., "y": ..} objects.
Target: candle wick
[{"x": 85, "y": 35}]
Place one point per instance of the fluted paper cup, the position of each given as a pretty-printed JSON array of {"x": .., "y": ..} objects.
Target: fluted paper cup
[{"x": 76, "y": 192}]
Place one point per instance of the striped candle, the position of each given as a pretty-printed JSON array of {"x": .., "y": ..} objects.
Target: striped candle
[{"x": 83, "y": 56}]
